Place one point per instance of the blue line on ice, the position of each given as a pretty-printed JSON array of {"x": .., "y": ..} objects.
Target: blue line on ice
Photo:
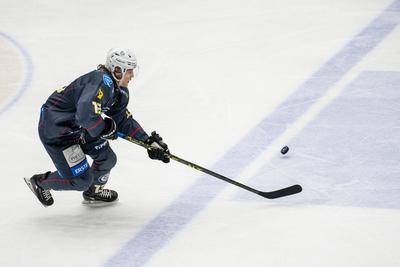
[
  {"x": 347, "y": 155},
  {"x": 28, "y": 73},
  {"x": 156, "y": 234}
]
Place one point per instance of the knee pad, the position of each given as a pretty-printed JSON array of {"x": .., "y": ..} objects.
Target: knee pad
[
  {"x": 106, "y": 160},
  {"x": 112, "y": 159},
  {"x": 83, "y": 181}
]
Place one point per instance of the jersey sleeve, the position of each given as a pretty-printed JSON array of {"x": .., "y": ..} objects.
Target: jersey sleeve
[
  {"x": 126, "y": 124},
  {"x": 93, "y": 101}
]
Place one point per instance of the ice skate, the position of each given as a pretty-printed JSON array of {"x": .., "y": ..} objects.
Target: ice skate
[
  {"x": 98, "y": 196},
  {"x": 43, "y": 195}
]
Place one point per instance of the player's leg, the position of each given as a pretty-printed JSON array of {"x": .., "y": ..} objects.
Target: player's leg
[
  {"x": 72, "y": 169},
  {"x": 72, "y": 172},
  {"x": 104, "y": 159}
]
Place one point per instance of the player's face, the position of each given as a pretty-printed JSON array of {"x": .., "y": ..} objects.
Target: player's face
[{"x": 129, "y": 74}]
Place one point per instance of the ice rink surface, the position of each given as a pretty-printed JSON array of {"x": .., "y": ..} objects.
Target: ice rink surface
[{"x": 227, "y": 84}]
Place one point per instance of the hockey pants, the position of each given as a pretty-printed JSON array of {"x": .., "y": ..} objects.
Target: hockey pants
[{"x": 73, "y": 171}]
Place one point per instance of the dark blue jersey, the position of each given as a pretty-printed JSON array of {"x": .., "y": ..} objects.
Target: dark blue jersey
[{"x": 77, "y": 108}]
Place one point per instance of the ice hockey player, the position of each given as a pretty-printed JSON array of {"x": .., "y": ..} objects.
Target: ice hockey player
[{"x": 79, "y": 119}]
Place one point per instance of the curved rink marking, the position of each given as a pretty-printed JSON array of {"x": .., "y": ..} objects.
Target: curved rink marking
[{"x": 18, "y": 71}]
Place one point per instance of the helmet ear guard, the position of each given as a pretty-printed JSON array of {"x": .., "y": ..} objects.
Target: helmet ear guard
[
  {"x": 136, "y": 71},
  {"x": 123, "y": 59}
]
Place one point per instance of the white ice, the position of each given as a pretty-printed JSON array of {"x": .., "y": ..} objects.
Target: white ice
[{"x": 210, "y": 72}]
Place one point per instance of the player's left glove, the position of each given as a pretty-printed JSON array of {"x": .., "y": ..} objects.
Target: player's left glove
[
  {"x": 158, "y": 149},
  {"x": 110, "y": 129}
]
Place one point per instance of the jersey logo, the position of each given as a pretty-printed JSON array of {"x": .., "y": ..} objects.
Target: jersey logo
[
  {"x": 96, "y": 107},
  {"x": 128, "y": 114},
  {"x": 107, "y": 80},
  {"x": 100, "y": 94},
  {"x": 60, "y": 90}
]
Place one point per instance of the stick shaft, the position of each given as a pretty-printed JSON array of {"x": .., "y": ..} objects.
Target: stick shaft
[
  {"x": 194, "y": 166},
  {"x": 274, "y": 194}
]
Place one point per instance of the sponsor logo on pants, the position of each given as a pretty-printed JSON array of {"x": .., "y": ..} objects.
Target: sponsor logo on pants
[
  {"x": 80, "y": 168},
  {"x": 104, "y": 178}
]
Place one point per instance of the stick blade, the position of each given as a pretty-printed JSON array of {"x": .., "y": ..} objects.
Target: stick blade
[{"x": 287, "y": 191}]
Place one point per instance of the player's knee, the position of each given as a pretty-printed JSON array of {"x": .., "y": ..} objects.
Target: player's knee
[
  {"x": 83, "y": 181},
  {"x": 106, "y": 161},
  {"x": 112, "y": 159}
]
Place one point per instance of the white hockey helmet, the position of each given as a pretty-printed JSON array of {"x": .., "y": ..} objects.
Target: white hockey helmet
[{"x": 122, "y": 58}]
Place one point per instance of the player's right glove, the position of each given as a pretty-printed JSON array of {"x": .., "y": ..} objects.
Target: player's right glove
[
  {"x": 110, "y": 128},
  {"x": 158, "y": 149}
]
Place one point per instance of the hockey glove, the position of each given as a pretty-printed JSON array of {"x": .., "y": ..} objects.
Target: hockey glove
[
  {"x": 158, "y": 149},
  {"x": 110, "y": 128}
]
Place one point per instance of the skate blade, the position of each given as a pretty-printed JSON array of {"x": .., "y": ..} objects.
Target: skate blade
[
  {"x": 29, "y": 184},
  {"x": 96, "y": 203}
]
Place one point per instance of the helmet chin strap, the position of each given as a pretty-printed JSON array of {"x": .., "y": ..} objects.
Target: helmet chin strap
[
  {"x": 115, "y": 77},
  {"x": 135, "y": 71}
]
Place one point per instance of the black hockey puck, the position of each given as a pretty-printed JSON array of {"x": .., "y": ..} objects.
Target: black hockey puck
[{"x": 284, "y": 150}]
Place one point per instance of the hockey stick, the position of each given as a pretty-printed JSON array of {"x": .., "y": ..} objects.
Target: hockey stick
[{"x": 294, "y": 189}]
